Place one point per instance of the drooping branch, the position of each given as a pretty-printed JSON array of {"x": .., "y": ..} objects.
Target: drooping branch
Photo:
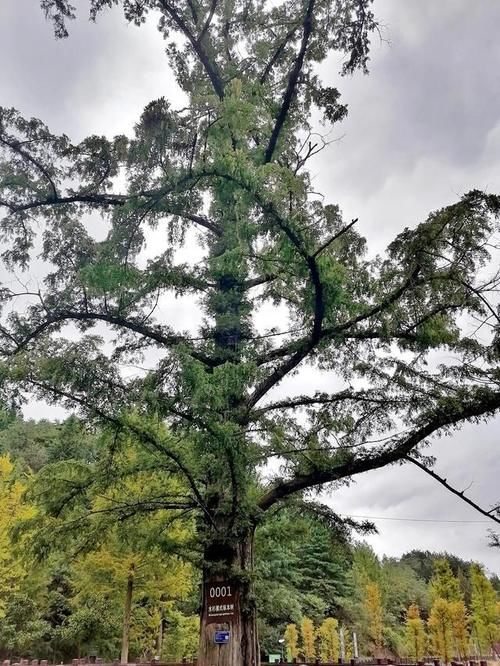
[
  {"x": 143, "y": 435},
  {"x": 450, "y": 414},
  {"x": 327, "y": 399},
  {"x": 138, "y": 327},
  {"x": 459, "y": 493}
]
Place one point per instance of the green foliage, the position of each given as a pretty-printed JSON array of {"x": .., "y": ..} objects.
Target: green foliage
[
  {"x": 444, "y": 585},
  {"x": 485, "y": 610},
  {"x": 183, "y": 441},
  {"x": 306, "y": 565},
  {"x": 291, "y": 638},
  {"x": 328, "y": 639},
  {"x": 33, "y": 444},
  {"x": 415, "y": 633},
  {"x": 301, "y": 570}
]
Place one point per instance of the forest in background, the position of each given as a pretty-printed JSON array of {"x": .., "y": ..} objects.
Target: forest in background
[{"x": 90, "y": 558}]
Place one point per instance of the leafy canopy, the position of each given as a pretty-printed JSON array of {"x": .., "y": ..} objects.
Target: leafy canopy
[{"x": 226, "y": 177}]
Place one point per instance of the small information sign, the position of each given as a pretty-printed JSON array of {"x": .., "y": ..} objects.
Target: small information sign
[{"x": 221, "y": 637}]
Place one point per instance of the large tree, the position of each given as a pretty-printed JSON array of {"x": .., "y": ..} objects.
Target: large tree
[{"x": 228, "y": 175}]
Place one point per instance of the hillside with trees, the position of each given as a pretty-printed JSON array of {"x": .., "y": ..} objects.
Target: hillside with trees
[{"x": 78, "y": 579}]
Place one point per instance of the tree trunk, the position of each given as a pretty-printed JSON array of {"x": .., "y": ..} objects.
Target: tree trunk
[
  {"x": 159, "y": 642},
  {"x": 230, "y": 586},
  {"x": 126, "y": 615}
]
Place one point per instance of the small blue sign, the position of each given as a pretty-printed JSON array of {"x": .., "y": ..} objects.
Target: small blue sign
[{"x": 221, "y": 637}]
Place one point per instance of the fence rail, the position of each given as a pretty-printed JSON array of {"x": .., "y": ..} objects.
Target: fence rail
[{"x": 428, "y": 661}]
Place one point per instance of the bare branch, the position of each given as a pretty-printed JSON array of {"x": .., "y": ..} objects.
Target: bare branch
[
  {"x": 459, "y": 493},
  {"x": 331, "y": 240}
]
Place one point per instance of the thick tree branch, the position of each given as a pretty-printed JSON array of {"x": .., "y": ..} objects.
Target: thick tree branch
[
  {"x": 277, "y": 54},
  {"x": 210, "y": 67},
  {"x": 325, "y": 399},
  {"x": 206, "y": 26},
  {"x": 296, "y": 346},
  {"x": 449, "y": 414},
  {"x": 111, "y": 200},
  {"x": 306, "y": 345},
  {"x": 291, "y": 87}
]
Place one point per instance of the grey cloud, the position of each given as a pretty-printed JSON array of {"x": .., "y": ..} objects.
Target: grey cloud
[
  {"x": 433, "y": 90},
  {"x": 97, "y": 81}
]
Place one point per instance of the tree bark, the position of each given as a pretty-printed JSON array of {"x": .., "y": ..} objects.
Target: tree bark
[
  {"x": 159, "y": 642},
  {"x": 126, "y": 615},
  {"x": 242, "y": 648}
]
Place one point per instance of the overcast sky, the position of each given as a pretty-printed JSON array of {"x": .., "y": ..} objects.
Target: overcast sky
[{"x": 423, "y": 128}]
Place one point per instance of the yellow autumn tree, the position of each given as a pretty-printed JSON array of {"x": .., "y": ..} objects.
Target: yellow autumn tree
[
  {"x": 460, "y": 623},
  {"x": 291, "y": 642},
  {"x": 12, "y": 511},
  {"x": 374, "y": 614},
  {"x": 444, "y": 585},
  {"x": 415, "y": 633},
  {"x": 307, "y": 636},
  {"x": 328, "y": 640},
  {"x": 128, "y": 535},
  {"x": 485, "y": 610},
  {"x": 448, "y": 620},
  {"x": 441, "y": 629},
  {"x": 348, "y": 643}
]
